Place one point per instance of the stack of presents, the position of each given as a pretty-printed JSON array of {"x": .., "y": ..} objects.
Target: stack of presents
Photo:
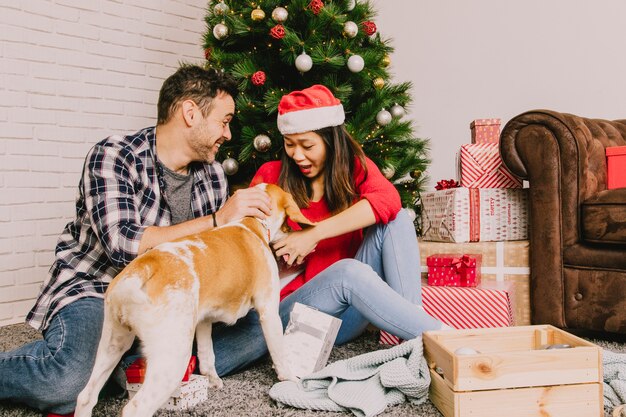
[{"x": 474, "y": 249}]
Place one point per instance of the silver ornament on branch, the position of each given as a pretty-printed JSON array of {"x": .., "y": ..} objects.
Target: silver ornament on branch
[
  {"x": 280, "y": 14},
  {"x": 304, "y": 62},
  {"x": 388, "y": 171},
  {"x": 383, "y": 117},
  {"x": 262, "y": 143},
  {"x": 350, "y": 29},
  {"x": 221, "y": 9},
  {"x": 351, "y": 5},
  {"x": 397, "y": 111},
  {"x": 356, "y": 63},
  {"x": 220, "y": 31},
  {"x": 230, "y": 165}
]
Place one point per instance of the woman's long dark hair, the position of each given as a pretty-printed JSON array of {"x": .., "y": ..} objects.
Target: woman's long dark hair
[{"x": 339, "y": 186}]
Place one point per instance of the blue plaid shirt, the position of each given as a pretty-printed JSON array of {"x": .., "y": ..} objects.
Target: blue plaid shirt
[{"x": 120, "y": 194}]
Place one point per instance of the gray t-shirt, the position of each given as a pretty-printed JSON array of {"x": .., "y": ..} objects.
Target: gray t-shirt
[{"x": 178, "y": 194}]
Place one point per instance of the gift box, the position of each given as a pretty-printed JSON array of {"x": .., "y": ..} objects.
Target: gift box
[
  {"x": 472, "y": 214},
  {"x": 482, "y": 167},
  {"x": 616, "y": 167},
  {"x": 309, "y": 339},
  {"x": 501, "y": 262},
  {"x": 481, "y": 307},
  {"x": 136, "y": 371},
  {"x": 189, "y": 394},
  {"x": 514, "y": 372},
  {"x": 485, "y": 130},
  {"x": 453, "y": 270}
]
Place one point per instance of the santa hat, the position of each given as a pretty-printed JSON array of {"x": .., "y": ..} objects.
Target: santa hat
[{"x": 310, "y": 109}]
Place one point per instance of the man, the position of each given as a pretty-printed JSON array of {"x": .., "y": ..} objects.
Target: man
[{"x": 135, "y": 192}]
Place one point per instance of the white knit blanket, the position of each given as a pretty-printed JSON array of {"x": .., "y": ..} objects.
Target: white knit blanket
[
  {"x": 365, "y": 384},
  {"x": 614, "y": 367}
]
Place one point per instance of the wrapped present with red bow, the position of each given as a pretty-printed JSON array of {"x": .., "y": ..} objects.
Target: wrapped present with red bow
[{"x": 453, "y": 270}]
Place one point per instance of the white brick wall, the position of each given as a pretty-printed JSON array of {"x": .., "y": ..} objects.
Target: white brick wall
[{"x": 71, "y": 73}]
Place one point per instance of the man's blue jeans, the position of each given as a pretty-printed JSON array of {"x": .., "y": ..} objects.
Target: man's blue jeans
[
  {"x": 49, "y": 374},
  {"x": 380, "y": 286}
]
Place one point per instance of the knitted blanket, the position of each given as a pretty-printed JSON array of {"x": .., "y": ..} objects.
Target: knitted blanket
[
  {"x": 365, "y": 384},
  {"x": 614, "y": 369}
]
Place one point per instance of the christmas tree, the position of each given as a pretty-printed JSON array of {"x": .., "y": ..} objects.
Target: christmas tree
[{"x": 273, "y": 47}]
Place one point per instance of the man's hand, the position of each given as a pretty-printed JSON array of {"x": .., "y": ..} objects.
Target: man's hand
[{"x": 245, "y": 202}]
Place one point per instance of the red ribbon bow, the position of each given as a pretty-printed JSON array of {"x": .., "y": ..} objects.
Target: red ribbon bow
[
  {"x": 446, "y": 184},
  {"x": 459, "y": 264}
]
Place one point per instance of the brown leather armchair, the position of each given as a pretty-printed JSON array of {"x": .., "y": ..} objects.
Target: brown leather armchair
[{"x": 577, "y": 227}]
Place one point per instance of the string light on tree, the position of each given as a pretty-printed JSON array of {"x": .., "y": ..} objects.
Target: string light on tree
[
  {"x": 280, "y": 14},
  {"x": 304, "y": 62},
  {"x": 356, "y": 63},
  {"x": 262, "y": 143}
]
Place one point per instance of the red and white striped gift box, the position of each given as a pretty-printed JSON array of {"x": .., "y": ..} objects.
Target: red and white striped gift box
[
  {"x": 465, "y": 307},
  {"x": 482, "y": 167}
]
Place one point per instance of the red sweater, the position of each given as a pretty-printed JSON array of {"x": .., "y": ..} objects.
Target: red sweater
[{"x": 382, "y": 196}]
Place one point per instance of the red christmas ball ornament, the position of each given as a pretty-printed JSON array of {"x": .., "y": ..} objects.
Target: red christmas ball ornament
[
  {"x": 369, "y": 27},
  {"x": 278, "y": 32},
  {"x": 316, "y": 6},
  {"x": 207, "y": 53},
  {"x": 258, "y": 78}
]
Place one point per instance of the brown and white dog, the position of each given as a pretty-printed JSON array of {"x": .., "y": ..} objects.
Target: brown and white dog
[{"x": 180, "y": 288}]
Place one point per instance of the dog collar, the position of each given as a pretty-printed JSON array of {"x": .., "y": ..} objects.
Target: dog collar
[{"x": 267, "y": 228}]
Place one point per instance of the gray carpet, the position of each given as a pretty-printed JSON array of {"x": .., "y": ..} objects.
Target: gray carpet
[{"x": 244, "y": 394}]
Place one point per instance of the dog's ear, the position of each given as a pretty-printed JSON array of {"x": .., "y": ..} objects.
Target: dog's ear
[{"x": 293, "y": 212}]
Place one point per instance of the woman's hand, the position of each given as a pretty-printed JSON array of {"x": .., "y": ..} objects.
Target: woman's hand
[{"x": 296, "y": 246}]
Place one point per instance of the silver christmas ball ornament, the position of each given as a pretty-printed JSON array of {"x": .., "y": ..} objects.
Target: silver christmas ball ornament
[
  {"x": 388, "y": 172},
  {"x": 220, "y": 31},
  {"x": 221, "y": 9},
  {"x": 351, "y": 5},
  {"x": 231, "y": 166},
  {"x": 397, "y": 111},
  {"x": 262, "y": 143},
  {"x": 383, "y": 117},
  {"x": 356, "y": 63},
  {"x": 304, "y": 62},
  {"x": 280, "y": 14},
  {"x": 350, "y": 29}
]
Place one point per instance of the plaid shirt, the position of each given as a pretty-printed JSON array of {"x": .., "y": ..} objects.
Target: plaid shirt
[{"x": 120, "y": 194}]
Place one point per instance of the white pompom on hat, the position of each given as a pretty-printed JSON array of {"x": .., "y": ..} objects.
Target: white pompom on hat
[{"x": 310, "y": 109}]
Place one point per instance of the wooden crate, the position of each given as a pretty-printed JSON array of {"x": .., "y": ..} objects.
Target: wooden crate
[{"x": 512, "y": 374}]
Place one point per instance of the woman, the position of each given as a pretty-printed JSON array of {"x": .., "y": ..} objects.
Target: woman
[{"x": 360, "y": 276}]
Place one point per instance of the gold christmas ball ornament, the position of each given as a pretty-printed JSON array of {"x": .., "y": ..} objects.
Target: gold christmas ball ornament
[
  {"x": 257, "y": 14},
  {"x": 416, "y": 173},
  {"x": 279, "y": 15},
  {"x": 220, "y": 31},
  {"x": 386, "y": 61},
  {"x": 378, "y": 83}
]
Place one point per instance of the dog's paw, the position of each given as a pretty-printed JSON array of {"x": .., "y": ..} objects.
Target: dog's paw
[{"x": 215, "y": 382}]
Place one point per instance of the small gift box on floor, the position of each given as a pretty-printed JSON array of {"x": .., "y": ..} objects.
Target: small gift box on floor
[
  {"x": 485, "y": 130},
  {"x": 453, "y": 270},
  {"x": 466, "y": 307}
]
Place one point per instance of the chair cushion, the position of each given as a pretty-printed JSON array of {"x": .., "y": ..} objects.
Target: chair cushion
[{"x": 603, "y": 217}]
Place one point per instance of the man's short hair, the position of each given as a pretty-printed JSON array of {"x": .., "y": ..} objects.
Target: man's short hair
[{"x": 192, "y": 82}]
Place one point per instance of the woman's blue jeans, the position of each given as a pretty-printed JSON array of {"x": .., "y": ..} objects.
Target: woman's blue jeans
[{"x": 49, "y": 374}]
